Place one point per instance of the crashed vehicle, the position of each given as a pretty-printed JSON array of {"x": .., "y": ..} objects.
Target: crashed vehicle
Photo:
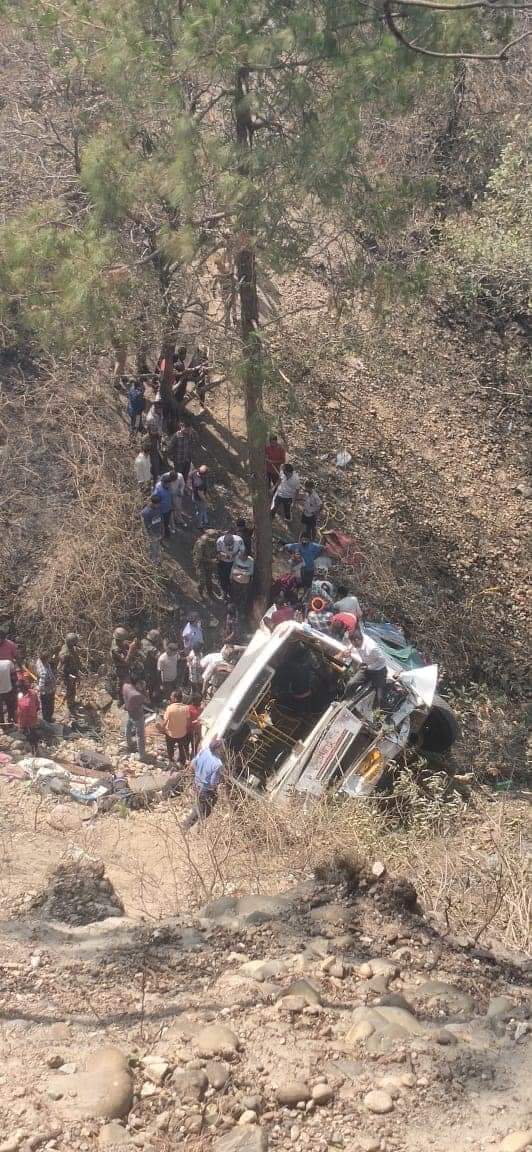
[{"x": 340, "y": 741}]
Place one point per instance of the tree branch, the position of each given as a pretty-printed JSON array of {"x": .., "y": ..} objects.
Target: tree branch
[{"x": 390, "y": 19}]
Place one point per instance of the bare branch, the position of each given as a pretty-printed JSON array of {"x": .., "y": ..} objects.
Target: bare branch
[{"x": 390, "y": 19}]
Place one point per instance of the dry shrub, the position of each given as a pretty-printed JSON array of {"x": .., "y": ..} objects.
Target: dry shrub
[{"x": 72, "y": 555}]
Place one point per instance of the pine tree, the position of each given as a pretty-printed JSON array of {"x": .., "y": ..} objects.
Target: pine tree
[{"x": 219, "y": 127}]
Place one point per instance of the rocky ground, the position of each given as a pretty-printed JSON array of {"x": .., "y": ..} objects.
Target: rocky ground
[{"x": 323, "y": 1018}]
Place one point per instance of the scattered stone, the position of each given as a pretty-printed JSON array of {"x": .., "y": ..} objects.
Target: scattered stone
[
  {"x": 378, "y": 869},
  {"x": 261, "y": 970},
  {"x": 217, "y": 1074},
  {"x": 55, "y": 1061},
  {"x": 292, "y": 1093},
  {"x": 305, "y": 989},
  {"x": 248, "y": 1138},
  {"x": 217, "y": 1040},
  {"x": 294, "y": 1004},
  {"x": 148, "y": 1089},
  {"x": 322, "y": 1093},
  {"x": 381, "y": 1027},
  {"x": 190, "y": 1084},
  {"x": 112, "y": 1134},
  {"x": 379, "y": 1102},
  {"x": 104, "y": 1090},
  {"x": 516, "y": 1141},
  {"x": 248, "y": 1117},
  {"x": 155, "y": 1069},
  {"x": 454, "y": 999},
  {"x": 253, "y": 1103},
  {"x": 369, "y": 1143}
]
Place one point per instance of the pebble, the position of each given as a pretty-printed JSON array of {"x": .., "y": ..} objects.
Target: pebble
[
  {"x": 248, "y": 1117},
  {"x": 217, "y": 1040},
  {"x": 322, "y": 1093},
  {"x": 379, "y": 1102},
  {"x": 292, "y": 1093}
]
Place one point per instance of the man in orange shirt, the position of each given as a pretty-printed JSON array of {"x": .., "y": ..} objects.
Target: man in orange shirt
[
  {"x": 275, "y": 456},
  {"x": 176, "y": 727}
]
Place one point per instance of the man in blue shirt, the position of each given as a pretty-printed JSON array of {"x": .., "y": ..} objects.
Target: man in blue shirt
[
  {"x": 309, "y": 552},
  {"x": 135, "y": 406},
  {"x": 208, "y": 766},
  {"x": 163, "y": 491}
]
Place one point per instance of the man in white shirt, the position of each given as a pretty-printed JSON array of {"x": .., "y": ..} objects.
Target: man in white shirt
[
  {"x": 8, "y": 692},
  {"x": 176, "y": 488},
  {"x": 167, "y": 667},
  {"x": 311, "y": 509},
  {"x": 242, "y": 571},
  {"x": 228, "y": 547},
  {"x": 142, "y": 467},
  {"x": 286, "y": 492},
  {"x": 366, "y": 652},
  {"x": 215, "y": 662}
]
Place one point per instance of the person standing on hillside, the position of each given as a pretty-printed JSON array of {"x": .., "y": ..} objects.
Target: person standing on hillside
[
  {"x": 46, "y": 685},
  {"x": 28, "y": 715},
  {"x": 162, "y": 490},
  {"x": 154, "y": 428},
  {"x": 134, "y": 701},
  {"x": 136, "y": 404},
  {"x": 275, "y": 457},
  {"x": 195, "y": 670},
  {"x": 311, "y": 509},
  {"x": 167, "y": 666},
  {"x": 8, "y": 648},
  {"x": 8, "y": 691},
  {"x": 366, "y": 652},
  {"x": 142, "y": 468},
  {"x": 309, "y": 551},
  {"x": 177, "y": 491},
  {"x": 180, "y": 449},
  {"x": 176, "y": 727},
  {"x": 70, "y": 666},
  {"x": 192, "y": 632},
  {"x": 204, "y": 558},
  {"x": 242, "y": 571},
  {"x": 208, "y": 767},
  {"x": 199, "y": 484},
  {"x": 285, "y": 492},
  {"x": 228, "y": 547},
  {"x": 153, "y": 525}
]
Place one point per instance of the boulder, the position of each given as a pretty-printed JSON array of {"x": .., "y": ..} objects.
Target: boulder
[
  {"x": 217, "y": 1040},
  {"x": 292, "y": 1093},
  {"x": 113, "y": 1135},
  {"x": 322, "y": 1094},
  {"x": 246, "y": 909},
  {"x": 104, "y": 1090}
]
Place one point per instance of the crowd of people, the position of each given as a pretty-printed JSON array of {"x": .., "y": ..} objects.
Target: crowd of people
[{"x": 176, "y": 676}]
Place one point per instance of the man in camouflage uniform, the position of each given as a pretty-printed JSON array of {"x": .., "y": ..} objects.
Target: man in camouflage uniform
[{"x": 203, "y": 558}]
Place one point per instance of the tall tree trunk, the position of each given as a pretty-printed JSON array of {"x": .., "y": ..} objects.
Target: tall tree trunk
[
  {"x": 252, "y": 356},
  {"x": 167, "y": 382},
  {"x": 255, "y": 423}
]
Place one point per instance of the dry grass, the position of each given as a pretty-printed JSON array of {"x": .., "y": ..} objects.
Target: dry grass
[{"x": 71, "y": 532}]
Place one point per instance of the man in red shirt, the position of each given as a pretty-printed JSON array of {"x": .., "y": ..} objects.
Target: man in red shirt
[
  {"x": 275, "y": 456},
  {"x": 8, "y": 649},
  {"x": 28, "y": 715}
]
